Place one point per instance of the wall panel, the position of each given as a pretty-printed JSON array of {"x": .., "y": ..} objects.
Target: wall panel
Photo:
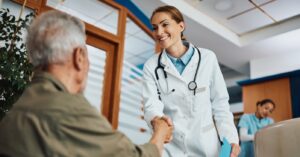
[{"x": 278, "y": 90}]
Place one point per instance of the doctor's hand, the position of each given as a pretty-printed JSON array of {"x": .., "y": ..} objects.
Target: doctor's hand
[
  {"x": 167, "y": 119},
  {"x": 162, "y": 132},
  {"x": 170, "y": 123},
  {"x": 163, "y": 123},
  {"x": 235, "y": 150}
]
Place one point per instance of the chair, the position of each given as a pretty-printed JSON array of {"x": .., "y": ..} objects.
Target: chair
[{"x": 281, "y": 139}]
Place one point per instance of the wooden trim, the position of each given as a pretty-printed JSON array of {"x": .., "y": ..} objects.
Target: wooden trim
[
  {"x": 118, "y": 62},
  {"x": 112, "y": 4},
  {"x": 33, "y": 4},
  {"x": 100, "y": 32},
  {"x": 45, "y": 8}
]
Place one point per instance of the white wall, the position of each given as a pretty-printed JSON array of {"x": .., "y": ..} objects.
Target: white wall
[
  {"x": 274, "y": 65},
  {"x": 233, "y": 80},
  {"x": 237, "y": 107}
]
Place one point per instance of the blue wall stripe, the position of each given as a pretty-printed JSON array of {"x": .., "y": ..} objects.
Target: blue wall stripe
[
  {"x": 268, "y": 78},
  {"x": 136, "y": 11},
  {"x": 295, "y": 94}
]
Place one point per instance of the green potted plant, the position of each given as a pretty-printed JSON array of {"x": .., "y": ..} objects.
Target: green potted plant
[{"x": 15, "y": 68}]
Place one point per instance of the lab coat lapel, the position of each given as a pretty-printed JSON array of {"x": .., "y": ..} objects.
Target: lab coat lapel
[
  {"x": 169, "y": 66},
  {"x": 190, "y": 69}
]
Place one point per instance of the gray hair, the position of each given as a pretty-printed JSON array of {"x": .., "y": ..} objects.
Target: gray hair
[{"x": 52, "y": 37}]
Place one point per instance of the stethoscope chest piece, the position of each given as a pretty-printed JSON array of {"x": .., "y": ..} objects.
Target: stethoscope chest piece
[{"x": 192, "y": 85}]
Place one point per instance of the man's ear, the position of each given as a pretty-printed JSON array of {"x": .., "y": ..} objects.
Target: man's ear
[
  {"x": 182, "y": 26},
  {"x": 78, "y": 58}
]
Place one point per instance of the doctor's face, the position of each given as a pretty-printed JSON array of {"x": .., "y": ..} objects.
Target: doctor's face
[{"x": 166, "y": 31}]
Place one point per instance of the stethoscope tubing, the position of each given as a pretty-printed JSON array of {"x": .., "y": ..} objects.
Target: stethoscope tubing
[{"x": 192, "y": 85}]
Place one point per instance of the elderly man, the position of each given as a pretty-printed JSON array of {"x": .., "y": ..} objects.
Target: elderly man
[{"x": 52, "y": 118}]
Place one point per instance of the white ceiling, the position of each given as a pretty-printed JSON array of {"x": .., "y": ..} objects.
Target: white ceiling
[
  {"x": 242, "y": 32},
  {"x": 93, "y": 12},
  {"x": 242, "y": 16}
]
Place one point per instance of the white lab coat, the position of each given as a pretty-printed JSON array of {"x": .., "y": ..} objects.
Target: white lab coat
[{"x": 193, "y": 116}]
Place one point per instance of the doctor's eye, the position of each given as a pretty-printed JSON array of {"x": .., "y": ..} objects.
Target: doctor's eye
[
  {"x": 154, "y": 28},
  {"x": 165, "y": 24}
]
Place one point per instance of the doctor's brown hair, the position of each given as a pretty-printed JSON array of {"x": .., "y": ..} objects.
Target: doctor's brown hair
[{"x": 173, "y": 12}]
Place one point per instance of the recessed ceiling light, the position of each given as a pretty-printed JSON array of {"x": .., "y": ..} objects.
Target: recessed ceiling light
[{"x": 223, "y": 5}]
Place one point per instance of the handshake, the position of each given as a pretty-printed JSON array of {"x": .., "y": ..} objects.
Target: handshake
[{"x": 162, "y": 131}]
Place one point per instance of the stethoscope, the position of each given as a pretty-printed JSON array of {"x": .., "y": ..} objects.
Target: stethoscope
[{"x": 191, "y": 86}]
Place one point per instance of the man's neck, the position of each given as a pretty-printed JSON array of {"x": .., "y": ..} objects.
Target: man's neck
[{"x": 66, "y": 76}]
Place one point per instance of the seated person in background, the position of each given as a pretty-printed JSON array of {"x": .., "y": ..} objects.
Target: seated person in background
[
  {"x": 249, "y": 124},
  {"x": 52, "y": 118}
]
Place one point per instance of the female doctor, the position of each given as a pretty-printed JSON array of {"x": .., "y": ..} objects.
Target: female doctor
[{"x": 184, "y": 85}]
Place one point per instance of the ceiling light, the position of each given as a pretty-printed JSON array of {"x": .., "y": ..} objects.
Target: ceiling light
[{"x": 223, "y": 5}]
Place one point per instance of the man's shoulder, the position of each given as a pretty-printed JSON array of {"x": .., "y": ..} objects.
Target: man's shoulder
[{"x": 41, "y": 98}]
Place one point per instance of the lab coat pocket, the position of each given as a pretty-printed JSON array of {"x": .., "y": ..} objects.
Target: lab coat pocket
[
  {"x": 179, "y": 139},
  {"x": 210, "y": 137},
  {"x": 202, "y": 99}
]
